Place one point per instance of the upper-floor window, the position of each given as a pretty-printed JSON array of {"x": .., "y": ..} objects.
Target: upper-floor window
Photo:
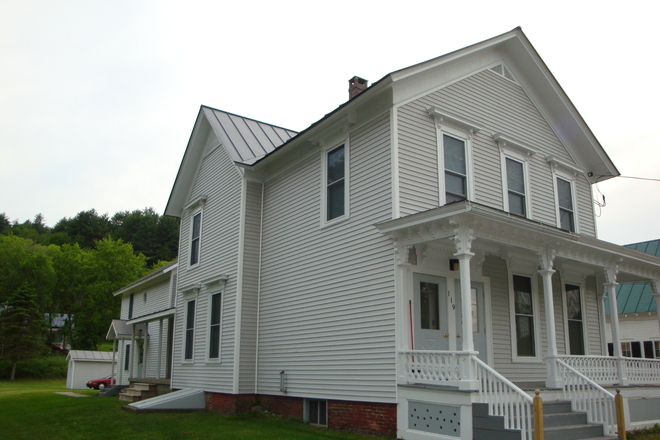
[
  {"x": 190, "y": 330},
  {"x": 195, "y": 238},
  {"x": 565, "y": 176},
  {"x": 565, "y": 203},
  {"x": 130, "y": 306},
  {"x": 456, "y": 182},
  {"x": 515, "y": 182},
  {"x": 515, "y": 163},
  {"x": 335, "y": 179},
  {"x": 454, "y": 139},
  {"x": 214, "y": 330},
  {"x": 336, "y": 183}
]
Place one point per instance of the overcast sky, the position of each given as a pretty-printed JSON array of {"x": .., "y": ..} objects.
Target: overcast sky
[{"x": 98, "y": 98}]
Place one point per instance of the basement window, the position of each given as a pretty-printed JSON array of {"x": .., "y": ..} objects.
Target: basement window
[{"x": 316, "y": 412}]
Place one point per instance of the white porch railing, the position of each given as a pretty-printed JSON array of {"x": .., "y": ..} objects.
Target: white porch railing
[
  {"x": 432, "y": 367},
  {"x": 505, "y": 399},
  {"x": 642, "y": 371},
  {"x": 605, "y": 370},
  {"x": 587, "y": 396}
]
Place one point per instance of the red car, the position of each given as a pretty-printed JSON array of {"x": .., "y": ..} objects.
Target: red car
[{"x": 100, "y": 384}]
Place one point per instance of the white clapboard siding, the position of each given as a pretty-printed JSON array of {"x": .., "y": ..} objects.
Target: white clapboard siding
[
  {"x": 252, "y": 215},
  {"x": 219, "y": 180},
  {"x": 152, "y": 348},
  {"x": 157, "y": 299},
  {"x": 499, "y": 105},
  {"x": 593, "y": 318},
  {"x": 327, "y": 294}
]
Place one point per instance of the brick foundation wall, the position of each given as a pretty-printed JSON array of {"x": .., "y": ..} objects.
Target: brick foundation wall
[
  {"x": 229, "y": 403},
  {"x": 291, "y": 407},
  {"x": 363, "y": 417}
]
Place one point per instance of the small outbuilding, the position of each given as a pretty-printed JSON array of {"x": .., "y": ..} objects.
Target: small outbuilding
[{"x": 87, "y": 365}]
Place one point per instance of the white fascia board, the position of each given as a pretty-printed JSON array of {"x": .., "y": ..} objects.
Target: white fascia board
[
  {"x": 189, "y": 163},
  {"x": 143, "y": 284},
  {"x": 152, "y": 317}
]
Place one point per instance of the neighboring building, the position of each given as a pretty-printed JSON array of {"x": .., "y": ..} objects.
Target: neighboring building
[
  {"x": 56, "y": 324},
  {"x": 326, "y": 273},
  {"x": 85, "y": 366},
  {"x": 638, "y": 314}
]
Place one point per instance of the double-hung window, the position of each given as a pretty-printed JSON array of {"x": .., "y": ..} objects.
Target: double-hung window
[
  {"x": 456, "y": 185},
  {"x": 454, "y": 137},
  {"x": 190, "y": 330},
  {"x": 565, "y": 202},
  {"x": 335, "y": 183},
  {"x": 565, "y": 178},
  {"x": 195, "y": 239},
  {"x": 214, "y": 326},
  {"x": 130, "y": 306},
  {"x": 524, "y": 316},
  {"x": 575, "y": 320},
  {"x": 515, "y": 162},
  {"x": 515, "y": 182}
]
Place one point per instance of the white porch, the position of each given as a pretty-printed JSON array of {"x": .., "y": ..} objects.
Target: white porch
[{"x": 540, "y": 316}]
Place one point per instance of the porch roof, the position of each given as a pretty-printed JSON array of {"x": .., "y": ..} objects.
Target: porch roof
[{"x": 498, "y": 232}]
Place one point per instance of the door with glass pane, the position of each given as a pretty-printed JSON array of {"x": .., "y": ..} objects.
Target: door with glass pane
[
  {"x": 430, "y": 313},
  {"x": 478, "y": 319}
]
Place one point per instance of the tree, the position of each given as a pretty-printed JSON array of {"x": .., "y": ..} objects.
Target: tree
[
  {"x": 112, "y": 266},
  {"x": 21, "y": 327},
  {"x": 149, "y": 233},
  {"x": 5, "y": 224},
  {"x": 85, "y": 228}
]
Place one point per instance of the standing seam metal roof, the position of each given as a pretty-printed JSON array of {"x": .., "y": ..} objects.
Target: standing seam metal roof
[
  {"x": 246, "y": 139},
  {"x": 636, "y": 297}
]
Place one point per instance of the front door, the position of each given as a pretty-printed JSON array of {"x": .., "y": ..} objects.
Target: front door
[
  {"x": 140, "y": 358},
  {"x": 478, "y": 318},
  {"x": 430, "y": 313}
]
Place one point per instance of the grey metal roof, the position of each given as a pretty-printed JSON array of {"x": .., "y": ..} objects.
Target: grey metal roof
[
  {"x": 100, "y": 356},
  {"x": 246, "y": 139},
  {"x": 636, "y": 297}
]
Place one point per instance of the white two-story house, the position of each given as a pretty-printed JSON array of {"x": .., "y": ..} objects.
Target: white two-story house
[{"x": 427, "y": 247}]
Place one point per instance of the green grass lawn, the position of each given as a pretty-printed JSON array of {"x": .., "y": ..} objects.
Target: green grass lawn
[{"x": 31, "y": 410}]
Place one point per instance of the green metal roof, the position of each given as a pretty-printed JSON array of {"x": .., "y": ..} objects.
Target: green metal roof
[{"x": 636, "y": 297}]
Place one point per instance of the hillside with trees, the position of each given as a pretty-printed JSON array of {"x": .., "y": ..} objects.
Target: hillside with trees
[{"x": 72, "y": 269}]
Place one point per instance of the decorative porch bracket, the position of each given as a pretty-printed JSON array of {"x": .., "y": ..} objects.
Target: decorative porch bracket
[
  {"x": 463, "y": 237},
  {"x": 546, "y": 260},
  {"x": 610, "y": 287}
]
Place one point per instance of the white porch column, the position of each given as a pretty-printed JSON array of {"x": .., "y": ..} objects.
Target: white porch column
[
  {"x": 463, "y": 240},
  {"x": 122, "y": 348},
  {"x": 160, "y": 347},
  {"x": 552, "y": 379},
  {"x": 131, "y": 359},
  {"x": 114, "y": 359},
  {"x": 602, "y": 322},
  {"x": 655, "y": 285},
  {"x": 610, "y": 286},
  {"x": 145, "y": 347}
]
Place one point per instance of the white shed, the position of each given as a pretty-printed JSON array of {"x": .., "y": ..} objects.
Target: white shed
[{"x": 85, "y": 366}]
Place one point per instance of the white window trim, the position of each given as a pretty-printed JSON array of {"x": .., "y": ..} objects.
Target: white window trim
[
  {"x": 200, "y": 211},
  {"x": 185, "y": 331},
  {"x": 461, "y": 129},
  {"x": 569, "y": 173},
  {"x": 516, "y": 151},
  {"x": 585, "y": 339},
  {"x": 214, "y": 287},
  {"x": 324, "y": 182},
  {"x": 536, "y": 308}
]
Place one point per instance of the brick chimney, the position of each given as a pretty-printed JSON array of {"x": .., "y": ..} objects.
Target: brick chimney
[{"x": 356, "y": 85}]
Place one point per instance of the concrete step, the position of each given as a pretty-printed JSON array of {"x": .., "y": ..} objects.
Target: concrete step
[
  {"x": 143, "y": 386},
  {"x": 128, "y": 397}
]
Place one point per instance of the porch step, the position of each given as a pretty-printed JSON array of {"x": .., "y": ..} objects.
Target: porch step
[
  {"x": 138, "y": 391},
  {"x": 559, "y": 423}
]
